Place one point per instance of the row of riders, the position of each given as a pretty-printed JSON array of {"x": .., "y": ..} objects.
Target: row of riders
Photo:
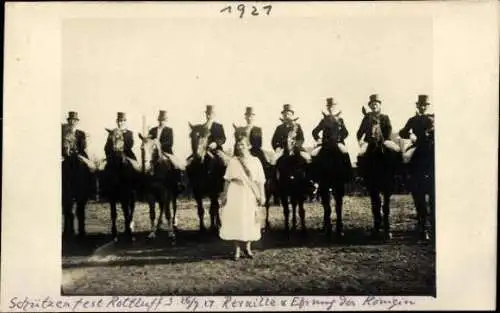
[{"x": 289, "y": 170}]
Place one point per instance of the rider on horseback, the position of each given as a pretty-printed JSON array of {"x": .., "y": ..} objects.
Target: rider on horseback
[
  {"x": 376, "y": 129},
  {"x": 126, "y": 135},
  {"x": 289, "y": 131},
  {"x": 74, "y": 147},
  {"x": 166, "y": 138},
  {"x": 420, "y": 130}
]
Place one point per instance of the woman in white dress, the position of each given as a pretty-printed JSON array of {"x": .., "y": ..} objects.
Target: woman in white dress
[{"x": 242, "y": 196}]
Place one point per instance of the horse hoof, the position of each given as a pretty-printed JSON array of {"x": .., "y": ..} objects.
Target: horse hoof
[
  {"x": 115, "y": 239},
  {"x": 152, "y": 235},
  {"x": 388, "y": 236}
]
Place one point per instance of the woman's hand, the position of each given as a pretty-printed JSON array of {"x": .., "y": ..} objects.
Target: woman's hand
[{"x": 223, "y": 199}]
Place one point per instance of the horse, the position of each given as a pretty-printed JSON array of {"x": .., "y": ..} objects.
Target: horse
[
  {"x": 422, "y": 180},
  {"x": 120, "y": 179},
  {"x": 292, "y": 177},
  {"x": 268, "y": 164},
  {"x": 378, "y": 167},
  {"x": 76, "y": 184},
  {"x": 157, "y": 183},
  {"x": 332, "y": 170},
  {"x": 205, "y": 173}
]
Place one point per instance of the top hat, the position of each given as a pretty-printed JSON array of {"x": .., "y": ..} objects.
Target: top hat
[
  {"x": 249, "y": 111},
  {"x": 330, "y": 102},
  {"x": 287, "y": 108},
  {"x": 72, "y": 115},
  {"x": 375, "y": 98},
  {"x": 209, "y": 109},
  {"x": 120, "y": 116},
  {"x": 423, "y": 99},
  {"x": 162, "y": 115}
]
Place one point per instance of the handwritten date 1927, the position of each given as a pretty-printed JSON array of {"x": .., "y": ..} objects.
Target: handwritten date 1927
[{"x": 242, "y": 9}]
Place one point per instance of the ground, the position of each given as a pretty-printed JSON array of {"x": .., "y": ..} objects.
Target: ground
[{"x": 202, "y": 264}]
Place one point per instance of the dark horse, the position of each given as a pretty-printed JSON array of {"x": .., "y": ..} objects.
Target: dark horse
[
  {"x": 76, "y": 184},
  {"x": 157, "y": 183},
  {"x": 332, "y": 170},
  {"x": 205, "y": 172},
  {"x": 120, "y": 182},
  {"x": 269, "y": 170},
  {"x": 378, "y": 167},
  {"x": 292, "y": 177},
  {"x": 421, "y": 169}
]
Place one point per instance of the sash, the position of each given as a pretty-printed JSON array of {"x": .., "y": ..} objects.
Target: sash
[{"x": 248, "y": 179}]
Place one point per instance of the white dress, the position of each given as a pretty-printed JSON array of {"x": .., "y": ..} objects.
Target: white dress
[{"x": 239, "y": 217}]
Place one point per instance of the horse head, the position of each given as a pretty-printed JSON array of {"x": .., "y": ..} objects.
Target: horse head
[
  {"x": 68, "y": 143},
  {"x": 240, "y": 132},
  {"x": 150, "y": 153},
  {"x": 199, "y": 140}
]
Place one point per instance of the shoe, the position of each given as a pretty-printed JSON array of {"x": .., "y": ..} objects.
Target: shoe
[{"x": 249, "y": 254}]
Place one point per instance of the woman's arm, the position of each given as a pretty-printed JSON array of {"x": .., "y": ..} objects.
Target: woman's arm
[{"x": 223, "y": 196}]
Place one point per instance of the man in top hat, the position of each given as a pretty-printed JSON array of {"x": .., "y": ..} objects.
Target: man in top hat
[
  {"x": 334, "y": 133},
  {"x": 75, "y": 183},
  {"x": 374, "y": 124},
  {"x": 289, "y": 126},
  {"x": 254, "y": 135},
  {"x": 80, "y": 138},
  {"x": 332, "y": 125},
  {"x": 165, "y": 136},
  {"x": 128, "y": 137},
  {"x": 217, "y": 136},
  {"x": 421, "y": 126},
  {"x": 420, "y": 130}
]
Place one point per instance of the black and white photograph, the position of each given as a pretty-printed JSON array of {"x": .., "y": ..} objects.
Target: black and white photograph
[
  {"x": 252, "y": 149},
  {"x": 219, "y": 157}
]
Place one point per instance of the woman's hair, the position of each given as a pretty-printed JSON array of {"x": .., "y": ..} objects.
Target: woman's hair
[{"x": 242, "y": 139}]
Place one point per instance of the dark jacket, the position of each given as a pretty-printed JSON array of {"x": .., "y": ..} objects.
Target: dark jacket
[
  {"x": 421, "y": 125},
  {"x": 166, "y": 138},
  {"x": 333, "y": 130},
  {"x": 369, "y": 121},
  {"x": 128, "y": 138},
  {"x": 80, "y": 141},
  {"x": 281, "y": 134},
  {"x": 217, "y": 135}
]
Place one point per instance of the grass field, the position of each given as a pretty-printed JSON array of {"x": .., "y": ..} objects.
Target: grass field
[{"x": 202, "y": 264}]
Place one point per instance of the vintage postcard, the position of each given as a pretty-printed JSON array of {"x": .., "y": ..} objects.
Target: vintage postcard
[{"x": 253, "y": 156}]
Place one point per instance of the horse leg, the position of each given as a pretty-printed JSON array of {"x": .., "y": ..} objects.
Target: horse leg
[
  {"x": 302, "y": 214},
  {"x": 387, "y": 211},
  {"x": 432, "y": 213},
  {"x": 339, "y": 201},
  {"x": 293, "y": 202},
  {"x": 69, "y": 227},
  {"x": 268, "y": 204},
  {"x": 152, "y": 216},
  {"x": 80, "y": 213},
  {"x": 420, "y": 206},
  {"x": 376, "y": 203},
  {"x": 327, "y": 209},
  {"x": 168, "y": 216},
  {"x": 114, "y": 232},
  {"x": 286, "y": 212},
  {"x": 174, "y": 210},
  {"x": 214, "y": 213},
  {"x": 126, "y": 209},
  {"x": 201, "y": 212},
  {"x": 131, "y": 210}
]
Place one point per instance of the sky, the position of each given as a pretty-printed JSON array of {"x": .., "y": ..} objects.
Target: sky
[{"x": 140, "y": 66}]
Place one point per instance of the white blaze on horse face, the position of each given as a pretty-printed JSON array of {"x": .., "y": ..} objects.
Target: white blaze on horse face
[
  {"x": 118, "y": 141},
  {"x": 69, "y": 143}
]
